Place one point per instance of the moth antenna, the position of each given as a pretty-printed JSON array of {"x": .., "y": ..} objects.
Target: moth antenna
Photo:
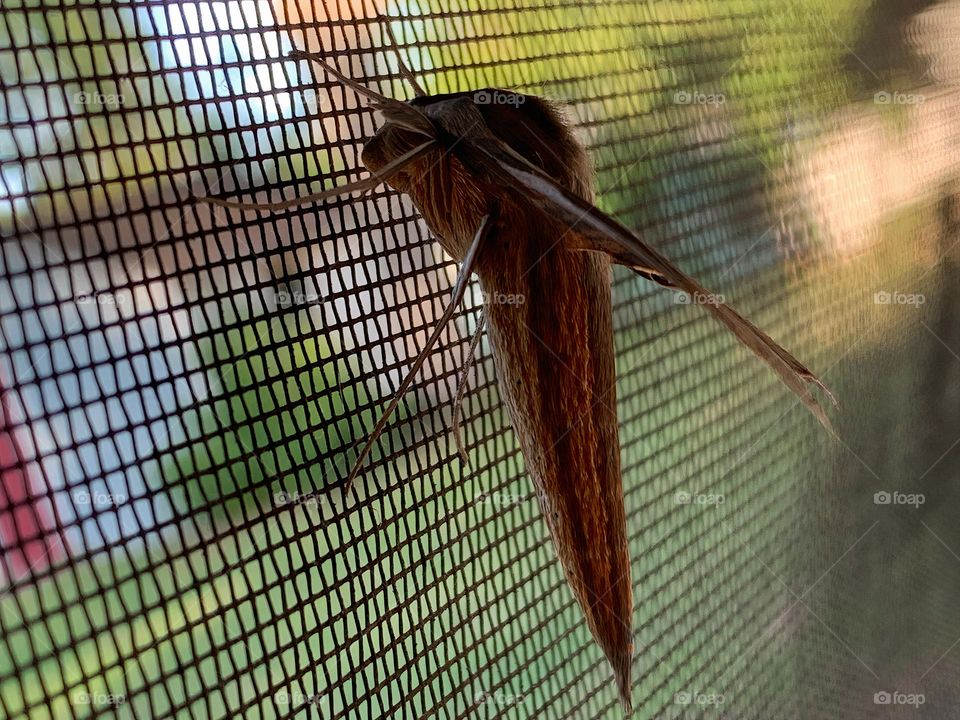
[
  {"x": 395, "y": 110},
  {"x": 349, "y": 82},
  {"x": 365, "y": 185},
  {"x": 462, "y": 388},
  {"x": 404, "y": 69},
  {"x": 459, "y": 289}
]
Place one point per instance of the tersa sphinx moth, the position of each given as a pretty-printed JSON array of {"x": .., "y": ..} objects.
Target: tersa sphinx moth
[{"x": 508, "y": 191}]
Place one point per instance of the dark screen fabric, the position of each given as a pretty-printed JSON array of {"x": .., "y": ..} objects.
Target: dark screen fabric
[{"x": 184, "y": 388}]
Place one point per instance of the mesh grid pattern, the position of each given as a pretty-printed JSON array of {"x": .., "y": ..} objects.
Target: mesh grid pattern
[{"x": 183, "y": 388}]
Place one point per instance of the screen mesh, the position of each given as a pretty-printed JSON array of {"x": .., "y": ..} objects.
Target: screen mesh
[{"x": 183, "y": 387}]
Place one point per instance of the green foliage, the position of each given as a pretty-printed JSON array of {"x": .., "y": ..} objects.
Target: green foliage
[
  {"x": 775, "y": 65},
  {"x": 278, "y": 413}
]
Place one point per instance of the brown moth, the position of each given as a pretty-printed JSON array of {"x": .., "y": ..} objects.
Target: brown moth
[{"x": 508, "y": 190}]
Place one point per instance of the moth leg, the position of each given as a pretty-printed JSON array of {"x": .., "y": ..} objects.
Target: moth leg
[
  {"x": 462, "y": 388},
  {"x": 365, "y": 185},
  {"x": 459, "y": 289}
]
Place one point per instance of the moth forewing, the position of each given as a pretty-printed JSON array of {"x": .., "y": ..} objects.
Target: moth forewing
[{"x": 591, "y": 229}]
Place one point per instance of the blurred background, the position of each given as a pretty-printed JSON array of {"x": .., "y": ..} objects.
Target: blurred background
[{"x": 183, "y": 387}]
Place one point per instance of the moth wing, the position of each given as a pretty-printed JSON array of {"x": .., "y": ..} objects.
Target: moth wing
[{"x": 593, "y": 229}]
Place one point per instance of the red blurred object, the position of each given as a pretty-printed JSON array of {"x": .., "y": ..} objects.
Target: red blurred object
[{"x": 25, "y": 519}]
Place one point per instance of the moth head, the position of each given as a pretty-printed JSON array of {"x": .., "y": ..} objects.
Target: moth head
[{"x": 530, "y": 125}]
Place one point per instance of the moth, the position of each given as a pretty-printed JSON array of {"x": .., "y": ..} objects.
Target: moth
[{"x": 507, "y": 190}]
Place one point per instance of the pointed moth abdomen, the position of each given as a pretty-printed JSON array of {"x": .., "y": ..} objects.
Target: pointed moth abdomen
[{"x": 550, "y": 328}]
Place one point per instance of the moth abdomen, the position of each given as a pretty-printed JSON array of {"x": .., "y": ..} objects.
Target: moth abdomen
[{"x": 553, "y": 355}]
